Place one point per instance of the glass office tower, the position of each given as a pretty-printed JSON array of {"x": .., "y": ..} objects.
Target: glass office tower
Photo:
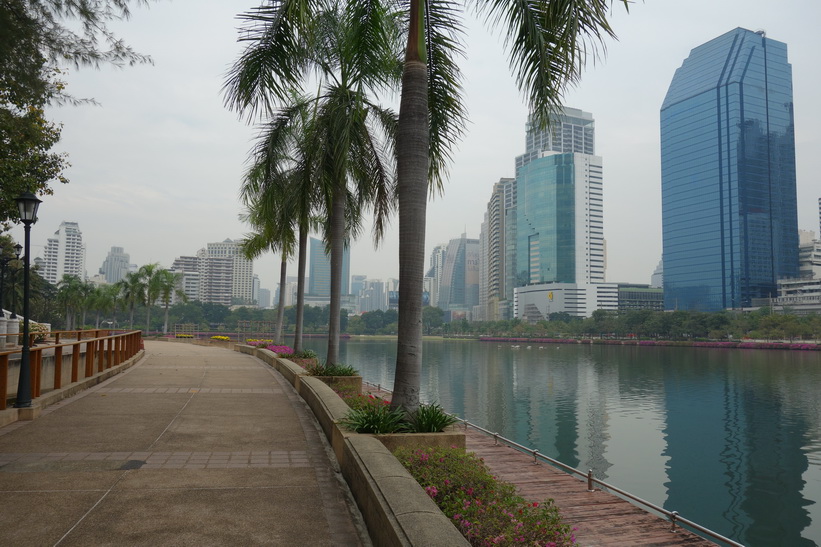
[{"x": 729, "y": 213}]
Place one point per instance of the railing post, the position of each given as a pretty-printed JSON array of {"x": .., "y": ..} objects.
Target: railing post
[
  {"x": 75, "y": 362},
  {"x": 4, "y": 380},
  {"x": 36, "y": 372},
  {"x": 58, "y": 367},
  {"x": 673, "y": 518},
  {"x": 89, "y": 359},
  {"x": 100, "y": 355},
  {"x": 590, "y": 481}
]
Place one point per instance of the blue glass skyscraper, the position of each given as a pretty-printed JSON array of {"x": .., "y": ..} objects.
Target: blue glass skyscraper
[{"x": 729, "y": 213}]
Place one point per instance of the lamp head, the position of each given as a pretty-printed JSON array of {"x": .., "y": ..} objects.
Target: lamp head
[{"x": 28, "y": 204}]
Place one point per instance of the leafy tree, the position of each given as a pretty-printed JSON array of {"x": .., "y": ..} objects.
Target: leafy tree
[
  {"x": 38, "y": 35},
  {"x": 432, "y": 318}
]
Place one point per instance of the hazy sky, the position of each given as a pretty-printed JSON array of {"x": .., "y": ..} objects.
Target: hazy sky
[{"x": 157, "y": 166}]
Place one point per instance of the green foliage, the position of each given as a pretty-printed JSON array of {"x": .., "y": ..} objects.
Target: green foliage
[
  {"x": 487, "y": 511},
  {"x": 430, "y": 418},
  {"x": 37, "y": 36},
  {"x": 375, "y": 419},
  {"x": 332, "y": 370}
]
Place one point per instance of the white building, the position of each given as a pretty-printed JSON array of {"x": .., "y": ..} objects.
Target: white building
[
  {"x": 535, "y": 303},
  {"x": 65, "y": 254},
  {"x": 242, "y": 282}
]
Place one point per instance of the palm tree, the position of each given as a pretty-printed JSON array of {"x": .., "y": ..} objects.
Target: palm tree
[
  {"x": 132, "y": 291},
  {"x": 275, "y": 231},
  {"x": 169, "y": 286},
  {"x": 149, "y": 278},
  {"x": 70, "y": 296},
  {"x": 352, "y": 53},
  {"x": 548, "y": 43}
]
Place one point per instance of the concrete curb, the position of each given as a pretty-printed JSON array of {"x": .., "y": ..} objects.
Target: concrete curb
[
  {"x": 11, "y": 415},
  {"x": 396, "y": 510}
]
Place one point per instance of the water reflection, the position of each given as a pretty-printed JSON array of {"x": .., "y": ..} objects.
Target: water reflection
[{"x": 730, "y": 439}]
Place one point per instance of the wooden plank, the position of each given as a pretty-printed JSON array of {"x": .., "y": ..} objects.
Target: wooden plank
[{"x": 600, "y": 518}]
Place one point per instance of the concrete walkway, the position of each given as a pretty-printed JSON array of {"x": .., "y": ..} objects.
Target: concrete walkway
[{"x": 192, "y": 446}]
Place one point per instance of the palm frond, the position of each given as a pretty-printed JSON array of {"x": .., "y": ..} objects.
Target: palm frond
[
  {"x": 549, "y": 42},
  {"x": 447, "y": 111}
]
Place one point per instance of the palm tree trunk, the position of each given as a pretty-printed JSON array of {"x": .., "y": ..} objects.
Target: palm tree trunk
[
  {"x": 337, "y": 250},
  {"x": 300, "y": 287},
  {"x": 412, "y": 188},
  {"x": 165, "y": 321},
  {"x": 283, "y": 270}
]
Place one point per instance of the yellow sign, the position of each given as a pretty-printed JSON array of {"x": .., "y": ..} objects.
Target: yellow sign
[{"x": 550, "y": 296}]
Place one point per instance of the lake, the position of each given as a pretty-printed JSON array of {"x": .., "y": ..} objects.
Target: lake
[{"x": 729, "y": 438}]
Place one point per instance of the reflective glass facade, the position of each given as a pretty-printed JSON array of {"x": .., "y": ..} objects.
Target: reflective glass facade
[{"x": 729, "y": 211}]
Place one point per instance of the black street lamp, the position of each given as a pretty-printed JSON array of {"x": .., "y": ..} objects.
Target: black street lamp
[{"x": 27, "y": 204}]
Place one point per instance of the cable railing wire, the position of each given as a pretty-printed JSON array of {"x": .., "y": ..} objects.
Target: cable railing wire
[{"x": 673, "y": 517}]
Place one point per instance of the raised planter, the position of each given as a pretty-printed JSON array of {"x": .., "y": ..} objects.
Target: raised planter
[{"x": 450, "y": 437}]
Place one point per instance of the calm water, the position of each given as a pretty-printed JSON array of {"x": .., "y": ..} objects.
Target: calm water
[{"x": 728, "y": 438}]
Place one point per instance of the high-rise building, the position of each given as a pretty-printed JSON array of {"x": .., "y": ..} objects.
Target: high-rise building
[
  {"x": 264, "y": 299},
  {"x": 437, "y": 266},
  {"x": 559, "y": 217},
  {"x": 319, "y": 270},
  {"x": 65, "y": 253},
  {"x": 459, "y": 288},
  {"x": 242, "y": 269},
  {"x": 494, "y": 242},
  {"x": 116, "y": 264},
  {"x": 729, "y": 213},
  {"x": 554, "y": 250}
]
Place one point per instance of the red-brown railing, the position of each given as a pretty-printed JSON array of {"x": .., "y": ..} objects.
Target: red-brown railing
[{"x": 102, "y": 348}]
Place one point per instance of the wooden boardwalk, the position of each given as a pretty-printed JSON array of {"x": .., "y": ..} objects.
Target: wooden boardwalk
[{"x": 601, "y": 518}]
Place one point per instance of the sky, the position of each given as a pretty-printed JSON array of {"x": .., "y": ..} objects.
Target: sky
[{"x": 157, "y": 165}]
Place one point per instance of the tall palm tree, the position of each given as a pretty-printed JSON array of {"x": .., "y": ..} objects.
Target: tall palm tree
[
  {"x": 169, "y": 285},
  {"x": 149, "y": 275},
  {"x": 274, "y": 231},
  {"x": 132, "y": 290},
  {"x": 352, "y": 52},
  {"x": 548, "y": 42},
  {"x": 70, "y": 297}
]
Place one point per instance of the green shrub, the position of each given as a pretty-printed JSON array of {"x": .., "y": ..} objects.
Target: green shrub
[
  {"x": 430, "y": 418},
  {"x": 375, "y": 419},
  {"x": 486, "y": 510},
  {"x": 357, "y": 400},
  {"x": 332, "y": 370}
]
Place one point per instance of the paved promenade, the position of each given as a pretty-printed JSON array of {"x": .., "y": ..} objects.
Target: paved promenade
[{"x": 192, "y": 446}]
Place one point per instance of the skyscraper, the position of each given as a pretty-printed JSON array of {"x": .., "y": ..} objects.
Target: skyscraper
[
  {"x": 459, "y": 288},
  {"x": 65, "y": 253},
  {"x": 557, "y": 263},
  {"x": 729, "y": 214},
  {"x": 559, "y": 218},
  {"x": 116, "y": 264},
  {"x": 319, "y": 270}
]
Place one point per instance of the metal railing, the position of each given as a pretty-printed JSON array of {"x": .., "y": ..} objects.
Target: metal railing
[
  {"x": 99, "y": 349},
  {"x": 674, "y": 518}
]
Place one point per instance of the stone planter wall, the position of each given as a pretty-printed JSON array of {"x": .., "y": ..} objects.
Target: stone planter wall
[{"x": 397, "y": 511}]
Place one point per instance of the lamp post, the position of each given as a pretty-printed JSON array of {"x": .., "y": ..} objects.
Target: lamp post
[{"x": 27, "y": 203}]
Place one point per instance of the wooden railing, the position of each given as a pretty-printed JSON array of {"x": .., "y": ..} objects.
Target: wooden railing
[{"x": 98, "y": 349}]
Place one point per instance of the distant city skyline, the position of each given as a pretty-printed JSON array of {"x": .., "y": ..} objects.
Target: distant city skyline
[{"x": 158, "y": 164}]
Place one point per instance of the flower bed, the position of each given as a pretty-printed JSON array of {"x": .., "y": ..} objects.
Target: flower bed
[{"x": 486, "y": 510}]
